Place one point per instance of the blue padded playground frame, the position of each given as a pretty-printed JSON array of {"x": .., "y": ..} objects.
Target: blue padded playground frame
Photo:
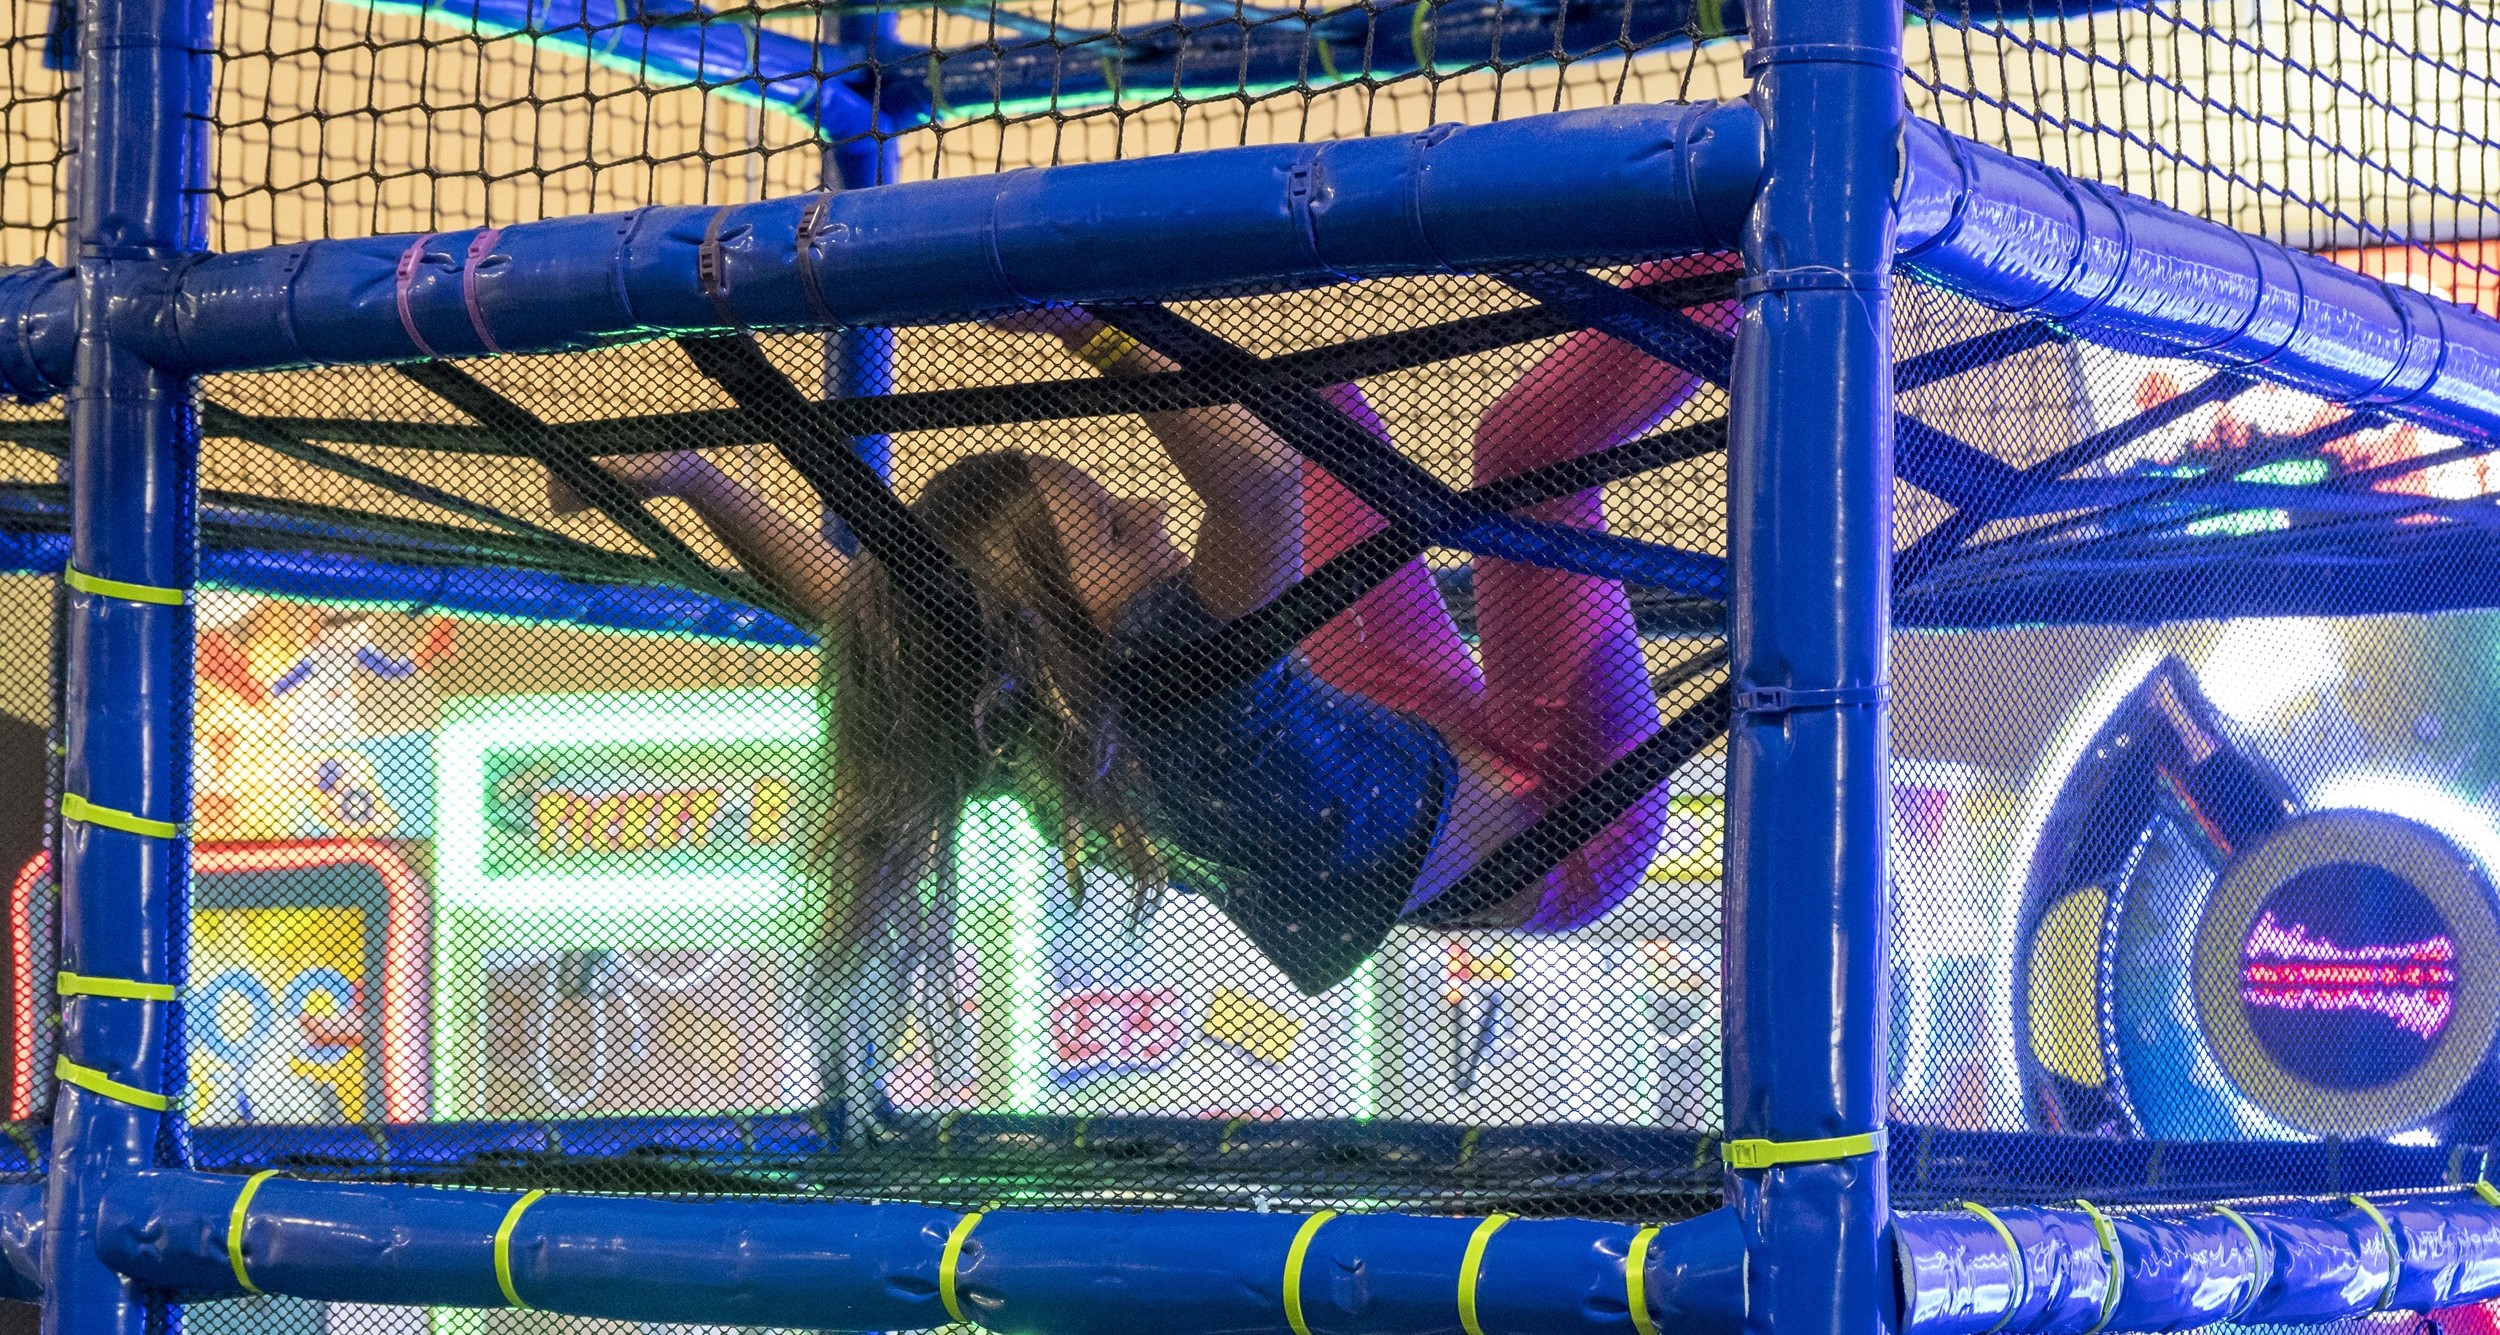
[{"x": 1826, "y": 188}]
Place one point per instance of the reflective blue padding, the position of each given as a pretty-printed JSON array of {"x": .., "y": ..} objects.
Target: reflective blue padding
[
  {"x": 2448, "y": 1251},
  {"x": 2328, "y": 1262},
  {"x": 829, "y": 1265},
  {"x": 1100, "y": 1273},
  {"x": 2183, "y": 1271},
  {"x": 2020, "y": 236},
  {"x": 2295, "y": 1263},
  {"x": 1958, "y": 1277},
  {"x": 1643, "y": 180},
  {"x": 38, "y": 320},
  {"x": 21, "y": 1241}
]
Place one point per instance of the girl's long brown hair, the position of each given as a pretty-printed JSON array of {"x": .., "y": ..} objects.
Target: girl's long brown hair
[{"x": 1040, "y": 725}]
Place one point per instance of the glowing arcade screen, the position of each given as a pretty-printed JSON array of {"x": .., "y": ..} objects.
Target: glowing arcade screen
[{"x": 2349, "y": 976}]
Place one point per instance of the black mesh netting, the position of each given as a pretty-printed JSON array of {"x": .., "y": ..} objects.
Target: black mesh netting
[
  {"x": 972, "y": 904},
  {"x": 2194, "y": 803}
]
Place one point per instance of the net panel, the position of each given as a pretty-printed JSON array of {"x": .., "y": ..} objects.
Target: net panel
[
  {"x": 343, "y": 119},
  {"x": 2193, "y": 821},
  {"x": 34, "y": 127},
  {"x": 574, "y": 882},
  {"x": 2362, "y": 130},
  {"x": 2192, "y": 824}
]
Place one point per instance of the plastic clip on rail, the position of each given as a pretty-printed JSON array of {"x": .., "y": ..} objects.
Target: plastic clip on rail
[
  {"x": 69, "y": 984},
  {"x": 234, "y": 1227},
  {"x": 2014, "y": 1253},
  {"x": 1471, "y": 1269},
  {"x": 503, "y": 1248},
  {"x": 1751, "y": 1154},
  {"x": 1773, "y": 701},
  {"x": 102, "y": 1085},
  {"x": 2107, "y": 1232},
  {"x": 74, "y": 807},
  {"x": 1636, "y": 1280},
  {"x": 123, "y": 589},
  {"x": 2395, "y": 1259},
  {"x": 1295, "y": 1255},
  {"x": 951, "y": 1258}
]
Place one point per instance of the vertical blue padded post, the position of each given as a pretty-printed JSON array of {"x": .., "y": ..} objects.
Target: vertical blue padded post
[
  {"x": 1810, "y": 519},
  {"x": 862, "y": 360},
  {"x": 141, "y": 182}
]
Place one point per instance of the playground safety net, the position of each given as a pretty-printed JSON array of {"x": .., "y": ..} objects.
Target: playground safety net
[{"x": 511, "y": 813}]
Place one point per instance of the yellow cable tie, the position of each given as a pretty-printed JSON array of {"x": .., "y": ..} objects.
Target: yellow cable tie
[
  {"x": 2116, "y": 1288},
  {"x": 79, "y": 809},
  {"x": 101, "y": 1085},
  {"x": 1294, "y": 1255},
  {"x": 69, "y": 984},
  {"x": 503, "y": 1249},
  {"x": 2489, "y": 1193},
  {"x": 1106, "y": 349},
  {"x": 123, "y": 589},
  {"x": 2260, "y": 1257},
  {"x": 2395, "y": 1262},
  {"x": 1773, "y": 1153},
  {"x": 2021, "y": 1289},
  {"x": 1471, "y": 1267},
  {"x": 1636, "y": 1281},
  {"x": 951, "y": 1257},
  {"x": 234, "y": 1227}
]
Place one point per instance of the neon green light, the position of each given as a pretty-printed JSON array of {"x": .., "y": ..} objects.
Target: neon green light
[
  {"x": 1002, "y": 860},
  {"x": 1363, "y": 1101},
  {"x": 476, "y": 728},
  {"x": 2288, "y": 473}
]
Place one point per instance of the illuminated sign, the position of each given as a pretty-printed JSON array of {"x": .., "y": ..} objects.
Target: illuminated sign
[
  {"x": 601, "y": 806},
  {"x": 2348, "y": 976},
  {"x": 2346, "y": 971}
]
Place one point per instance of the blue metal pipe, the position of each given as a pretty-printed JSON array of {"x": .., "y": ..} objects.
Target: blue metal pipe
[
  {"x": 2018, "y": 236},
  {"x": 2039, "y": 1271},
  {"x": 1810, "y": 445},
  {"x": 886, "y": 1267},
  {"x": 1642, "y": 180},
  {"x": 485, "y": 593},
  {"x": 142, "y": 187}
]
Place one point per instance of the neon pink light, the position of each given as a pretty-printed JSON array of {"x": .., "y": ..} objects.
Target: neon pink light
[{"x": 2412, "y": 985}]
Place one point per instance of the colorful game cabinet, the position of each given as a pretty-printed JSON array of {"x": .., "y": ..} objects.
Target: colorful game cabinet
[{"x": 306, "y": 997}]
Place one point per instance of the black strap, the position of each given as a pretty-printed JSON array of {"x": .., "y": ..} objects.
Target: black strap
[
  {"x": 1527, "y": 856},
  {"x": 1396, "y": 487},
  {"x": 524, "y": 432},
  {"x": 1170, "y": 675},
  {"x": 923, "y": 573},
  {"x": 922, "y": 569}
]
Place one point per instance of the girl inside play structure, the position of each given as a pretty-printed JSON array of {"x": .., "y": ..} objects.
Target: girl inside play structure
[{"x": 1337, "y": 793}]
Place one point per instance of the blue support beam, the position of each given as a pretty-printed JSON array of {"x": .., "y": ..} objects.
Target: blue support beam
[
  {"x": 1810, "y": 449},
  {"x": 133, "y": 449},
  {"x": 2106, "y": 266},
  {"x": 822, "y": 1265},
  {"x": 1643, "y": 180}
]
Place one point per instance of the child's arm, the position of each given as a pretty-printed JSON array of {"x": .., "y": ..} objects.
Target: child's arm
[
  {"x": 1249, "y": 545},
  {"x": 773, "y": 548}
]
